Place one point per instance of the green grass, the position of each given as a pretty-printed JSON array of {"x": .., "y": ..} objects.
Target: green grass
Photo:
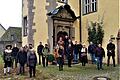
[{"x": 76, "y": 72}]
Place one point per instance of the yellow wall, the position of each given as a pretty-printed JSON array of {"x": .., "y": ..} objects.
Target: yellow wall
[
  {"x": 75, "y": 7},
  {"x": 40, "y": 19},
  {"x": 110, "y": 10}
]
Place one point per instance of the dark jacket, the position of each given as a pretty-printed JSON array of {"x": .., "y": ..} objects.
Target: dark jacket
[
  {"x": 15, "y": 51},
  {"x": 92, "y": 49},
  {"x": 100, "y": 52},
  {"x": 32, "y": 59},
  {"x": 61, "y": 52},
  {"x": 110, "y": 49},
  {"x": 70, "y": 52},
  {"x": 39, "y": 49},
  {"x": 76, "y": 49},
  {"x": 7, "y": 55},
  {"x": 22, "y": 57}
]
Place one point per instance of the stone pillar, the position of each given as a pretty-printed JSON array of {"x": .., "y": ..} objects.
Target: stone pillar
[
  {"x": 118, "y": 46},
  {"x": 30, "y": 22}
]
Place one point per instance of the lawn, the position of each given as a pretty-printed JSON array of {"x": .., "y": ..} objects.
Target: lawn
[{"x": 76, "y": 72}]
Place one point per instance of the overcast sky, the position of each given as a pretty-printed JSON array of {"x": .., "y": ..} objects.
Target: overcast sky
[{"x": 10, "y": 13}]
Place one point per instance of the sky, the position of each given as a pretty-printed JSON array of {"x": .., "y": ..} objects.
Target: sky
[{"x": 11, "y": 13}]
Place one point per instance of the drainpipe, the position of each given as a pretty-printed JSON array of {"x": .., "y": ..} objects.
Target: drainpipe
[{"x": 80, "y": 21}]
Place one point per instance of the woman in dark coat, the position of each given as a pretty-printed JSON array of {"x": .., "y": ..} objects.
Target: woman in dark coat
[
  {"x": 61, "y": 58},
  {"x": 22, "y": 59},
  {"x": 84, "y": 59},
  {"x": 32, "y": 61}
]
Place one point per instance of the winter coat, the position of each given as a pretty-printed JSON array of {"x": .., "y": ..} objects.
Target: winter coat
[
  {"x": 110, "y": 49},
  {"x": 76, "y": 49},
  {"x": 61, "y": 53},
  {"x": 92, "y": 49},
  {"x": 100, "y": 52},
  {"x": 15, "y": 51},
  {"x": 39, "y": 49},
  {"x": 70, "y": 52},
  {"x": 22, "y": 57},
  {"x": 45, "y": 51},
  {"x": 7, "y": 55},
  {"x": 32, "y": 59}
]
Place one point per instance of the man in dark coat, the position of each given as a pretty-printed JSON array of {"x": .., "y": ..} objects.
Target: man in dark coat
[
  {"x": 111, "y": 52},
  {"x": 69, "y": 54},
  {"x": 76, "y": 52},
  {"x": 14, "y": 54},
  {"x": 39, "y": 51},
  {"x": 79, "y": 50},
  {"x": 22, "y": 59},
  {"x": 92, "y": 51},
  {"x": 100, "y": 53}
]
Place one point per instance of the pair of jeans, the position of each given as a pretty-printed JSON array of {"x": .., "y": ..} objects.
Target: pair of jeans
[
  {"x": 92, "y": 58},
  {"x": 75, "y": 57},
  {"x": 99, "y": 62}
]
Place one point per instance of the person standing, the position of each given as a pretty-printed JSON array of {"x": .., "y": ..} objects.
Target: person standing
[
  {"x": 45, "y": 52},
  {"x": 7, "y": 57},
  {"x": 92, "y": 51},
  {"x": 111, "y": 52},
  {"x": 69, "y": 54},
  {"x": 76, "y": 52},
  {"x": 39, "y": 51},
  {"x": 14, "y": 54},
  {"x": 100, "y": 53},
  {"x": 22, "y": 59},
  {"x": 84, "y": 59},
  {"x": 32, "y": 61},
  {"x": 61, "y": 58},
  {"x": 79, "y": 50}
]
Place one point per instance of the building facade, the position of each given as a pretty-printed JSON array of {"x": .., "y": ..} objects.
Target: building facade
[{"x": 46, "y": 20}]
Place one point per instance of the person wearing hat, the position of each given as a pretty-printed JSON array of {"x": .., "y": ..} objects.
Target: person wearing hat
[
  {"x": 84, "y": 59},
  {"x": 7, "y": 57},
  {"x": 111, "y": 52}
]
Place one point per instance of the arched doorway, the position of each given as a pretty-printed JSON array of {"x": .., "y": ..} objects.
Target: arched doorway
[{"x": 61, "y": 34}]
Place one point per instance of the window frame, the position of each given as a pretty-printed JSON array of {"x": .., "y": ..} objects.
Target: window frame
[
  {"x": 25, "y": 28},
  {"x": 87, "y": 7}
]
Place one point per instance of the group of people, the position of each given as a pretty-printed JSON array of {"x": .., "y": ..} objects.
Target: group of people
[
  {"x": 22, "y": 56},
  {"x": 64, "y": 51}
]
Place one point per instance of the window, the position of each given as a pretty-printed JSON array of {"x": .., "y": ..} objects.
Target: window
[
  {"x": 63, "y": 1},
  {"x": 25, "y": 26},
  {"x": 89, "y": 6}
]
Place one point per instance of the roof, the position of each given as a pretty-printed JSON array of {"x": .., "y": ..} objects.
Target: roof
[
  {"x": 59, "y": 9},
  {"x": 12, "y": 33},
  {"x": 2, "y": 27}
]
